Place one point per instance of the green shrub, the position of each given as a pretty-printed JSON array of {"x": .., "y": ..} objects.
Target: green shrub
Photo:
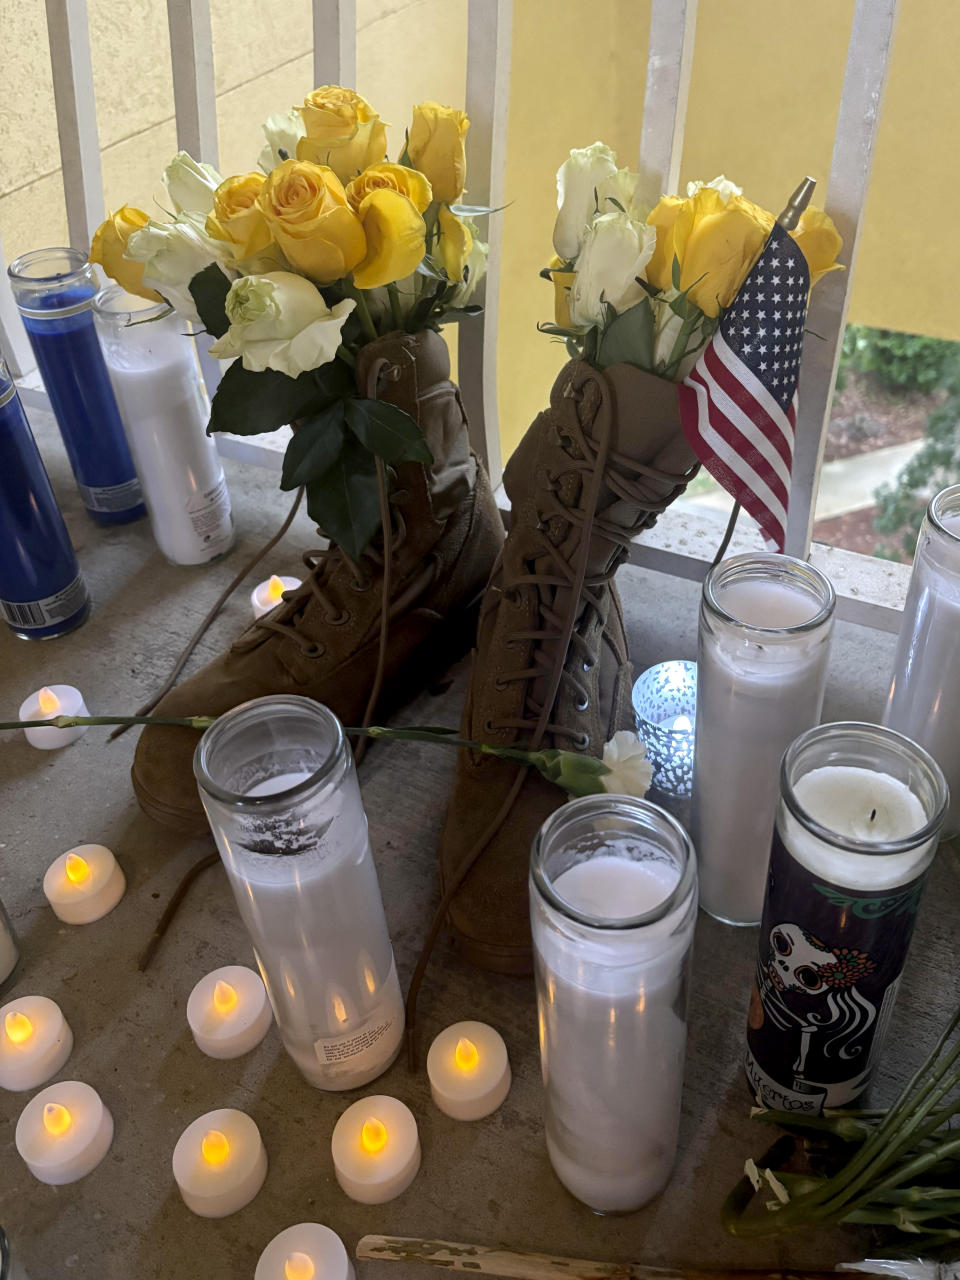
[{"x": 898, "y": 361}]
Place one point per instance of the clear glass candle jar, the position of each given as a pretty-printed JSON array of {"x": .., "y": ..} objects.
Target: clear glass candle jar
[
  {"x": 278, "y": 783},
  {"x": 924, "y": 698},
  {"x": 765, "y": 627},
  {"x": 613, "y": 902},
  {"x": 857, "y": 828}
]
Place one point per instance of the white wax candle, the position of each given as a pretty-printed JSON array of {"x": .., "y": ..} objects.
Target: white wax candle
[
  {"x": 64, "y": 1132},
  {"x": 35, "y": 1042},
  {"x": 469, "y": 1071},
  {"x": 219, "y": 1163},
  {"x": 267, "y": 595},
  {"x": 84, "y": 884},
  {"x": 376, "y": 1149},
  {"x": 307, "y": 1251},
  {"x": 46, "y": 704},
  {"x": 677, "y": 724},
  {"x": 228, "y": 1012}
]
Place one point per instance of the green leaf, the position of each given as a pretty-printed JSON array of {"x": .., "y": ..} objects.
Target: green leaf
[
  {"x": 386, "y": 431},
  {"x": 675, "y": 274},
  {"x": 455, "y": 313},
  {"x": 476, "y": 210},
  {"x": 315, "y": 447},
  {"x": 209, "y": 289},
  {"x": 629, "y": 340},
  {"x": 249, "y": 403},
  {"x": 345, "y": 501},
  {"x": 428, "y": 267},
  {"x": 616, "y": 204}
]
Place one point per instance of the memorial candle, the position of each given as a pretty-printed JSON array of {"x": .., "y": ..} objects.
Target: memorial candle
[
  {"x": 376, "y": 1149},
  {"x": 48, "y": 703},
  {"x": 84, "y": 884},
  {"x": 35, "y": 1042},
  {"x": 306, "y": 1251},
  {"x": 267, "y": 595},
  {"x": 228, "y": 1012},
  {"x": 64, "y": 1132},
  {"x": 219, "y": 1163}
]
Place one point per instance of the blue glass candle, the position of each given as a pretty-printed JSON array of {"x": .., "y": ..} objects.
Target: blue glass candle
[
  {"x": 41, "y": 591},
  {"x": 54, "y": 289}
]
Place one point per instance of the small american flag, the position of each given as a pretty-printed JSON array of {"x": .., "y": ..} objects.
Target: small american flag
[{"x": 738, "y": 405}]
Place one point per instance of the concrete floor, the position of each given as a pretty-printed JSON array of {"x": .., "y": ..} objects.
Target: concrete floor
[{"x": 488, "y": 1182}]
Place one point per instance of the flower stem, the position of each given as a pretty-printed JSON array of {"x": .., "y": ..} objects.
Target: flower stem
[{"x": 393, "y": 294}]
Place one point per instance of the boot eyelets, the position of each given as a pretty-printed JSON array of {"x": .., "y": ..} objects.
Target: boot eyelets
[
  {"x": 314, "y": 651},
  {"x": 339, "y": 619},
  {"x": 581, "y": 741},
  {"x": 582, "y": 704},
  {"x": 361, "y": 588},
  {"x": 488, "y": 726},
  {"x": 589, "y": 664},
  {"x": 500, "y": 685}
]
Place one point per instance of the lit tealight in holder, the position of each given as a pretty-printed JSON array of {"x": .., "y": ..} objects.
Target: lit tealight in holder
[
  {"x": 267, "y": 595},
  {"x": 35, "y": 1042},
  {"x": 376, "y": 1149},
  {"x": 219, "y": 1163},
  {"x": 64, "y": 1132},
  {"x": 228, "y": 1012},
  {"x": 307, "y": 1251},
  {"x": 84, "y": 884},
  {"x": 665, "y": 706},
  {"x": 469, "y": 1070},
  {"x": 47, "y": 703}
]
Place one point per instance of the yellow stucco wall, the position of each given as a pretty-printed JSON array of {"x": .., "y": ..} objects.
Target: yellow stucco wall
[{"x": 766, "y": 84}]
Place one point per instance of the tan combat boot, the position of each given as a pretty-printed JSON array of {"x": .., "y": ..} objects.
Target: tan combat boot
[
  {"x": 323, "y": 641},
  {"x": 551, "y": 665}
]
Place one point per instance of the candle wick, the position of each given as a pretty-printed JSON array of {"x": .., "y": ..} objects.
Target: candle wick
[{"x": 873, "y": 814}]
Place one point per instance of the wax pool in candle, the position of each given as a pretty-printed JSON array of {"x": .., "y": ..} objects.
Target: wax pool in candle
[
  {"x": 228, "y": 1012},
  {"x": 219, "y": 1163},
  {"x": 469, "y": 1071},
  {"x": 48, "y": 703},
  {"x": 307, "y": 1251},
  {"x": 35, "y": 1042},
  {"x": 376, "y": 1149},
  {"x": 84, "y": 884},
  {"x": 761, "y": 603},
  {"x": 267, "y": 595},
  {"x": 64, "y": 1132}
]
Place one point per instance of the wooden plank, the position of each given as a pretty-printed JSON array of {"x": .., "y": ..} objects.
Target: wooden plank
[
  {"x": 335, "y": 42},
  {"x": 194, "y": 90},
  {"x": 14, "y": 343},
  {"x": 865, "y": 78},
  {"x": 669, "y": 63},
  {"x": 69, "y": 36},
  {"x": 489, "y": 36}
]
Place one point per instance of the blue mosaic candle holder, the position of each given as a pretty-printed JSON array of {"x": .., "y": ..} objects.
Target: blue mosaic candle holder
[{"x": 665, "y": 706}]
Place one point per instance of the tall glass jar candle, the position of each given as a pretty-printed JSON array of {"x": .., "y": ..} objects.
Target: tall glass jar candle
[
  {"x": 156, "y": 378},
  {"x": 278, "y": 782},
  {"x": 613, "y": 904},
  {"x": 924, "y": 698},
  {"x": 54, "y": 291},
  {"x": 857, "y": 828},
  {"x": 765, "y": 626},
  {"x": 41, "y": 591}
]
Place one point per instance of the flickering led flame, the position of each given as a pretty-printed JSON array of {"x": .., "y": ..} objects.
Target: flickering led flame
[
  {"x": 684, "y": 723},
  {"x": 215, "y": 1148},
  {"x": 275, "y": 588},
  {"x": 18, "y": 1027},
  {"x": 373, "y": 1135},
  {"x": 77, "y": 868},
  {"x": 299, "y": 1267},
  {"x": 339, "y": 1009},
  {"x": 465, "y": 1055},
  {"x": 56, "y": 1119},
  {"x": 48, "y": 700},
  {"x": 224, "y": 997}
]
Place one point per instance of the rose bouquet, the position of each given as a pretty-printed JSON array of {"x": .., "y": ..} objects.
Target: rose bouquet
[{"x": 295, "y": 266}]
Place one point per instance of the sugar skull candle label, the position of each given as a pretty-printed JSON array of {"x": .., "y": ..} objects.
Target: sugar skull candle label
[{"x": 828, "y": 967}]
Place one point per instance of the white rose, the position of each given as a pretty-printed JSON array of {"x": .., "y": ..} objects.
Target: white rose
[
  {"x": 721, "y": 184},
  {"x": 280, "y": 321},
  {"x": 190, "y": 184},
  {"x": 578, "y": 180},
  {"x": 476, "y": 267},
  {"x": 172, "y": 253},
  {"x": 624, "y": 188},
  {"x": 615, "y": 252},
  {"x": 630, "y": 771},
  {"x": 282, "y": 130}
]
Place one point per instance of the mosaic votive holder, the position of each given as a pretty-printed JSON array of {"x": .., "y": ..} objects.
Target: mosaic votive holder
[{"x": 665, "y": 706}]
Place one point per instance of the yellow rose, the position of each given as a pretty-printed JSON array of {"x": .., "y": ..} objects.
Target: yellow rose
[
  {"x": 435, "y": 146},
  {"x": 108, "y": 245},
  {"x": 306, "y": 210},
  {"x": 562, "y": 284},
  {"x": 395, "y": 235},
  {"x": 343, "y": 131},
  {"x": 819, "y": 242},
  {"x": 453, "y": 245},
  {"x": 237, "y": 217},
  {"x": 390, "y": 177}
]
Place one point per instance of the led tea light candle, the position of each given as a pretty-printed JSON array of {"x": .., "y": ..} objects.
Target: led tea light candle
[
  {"x": 307, "y": 1251},
  {"x": 228, "y": 1012},
  {"x": 35, "y": 1042},
  {"x": 47, "y": 703},
  {"x": 376, "y": 1149},
  {"x": 267, "y": 595},
  {"x": 665, "y": 706},
  {"x": 219, "y": 1163},
  {"x": 64, "y": 1132},
  {"x": 84, "y": 884},
  {"x": 468, "y": 1070}
]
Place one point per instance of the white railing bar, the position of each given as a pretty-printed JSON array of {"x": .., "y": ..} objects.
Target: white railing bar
[
  {"x": 335, "y": 43},
  {"x": 864, "y": 81},
  {"x": 69, "y": 35},
  {"x": 489, "y": 38},
  {"x": 14, "y": 343},
  {"x": 669, "y": 63},
  {"x": 194, "y": 89}
]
